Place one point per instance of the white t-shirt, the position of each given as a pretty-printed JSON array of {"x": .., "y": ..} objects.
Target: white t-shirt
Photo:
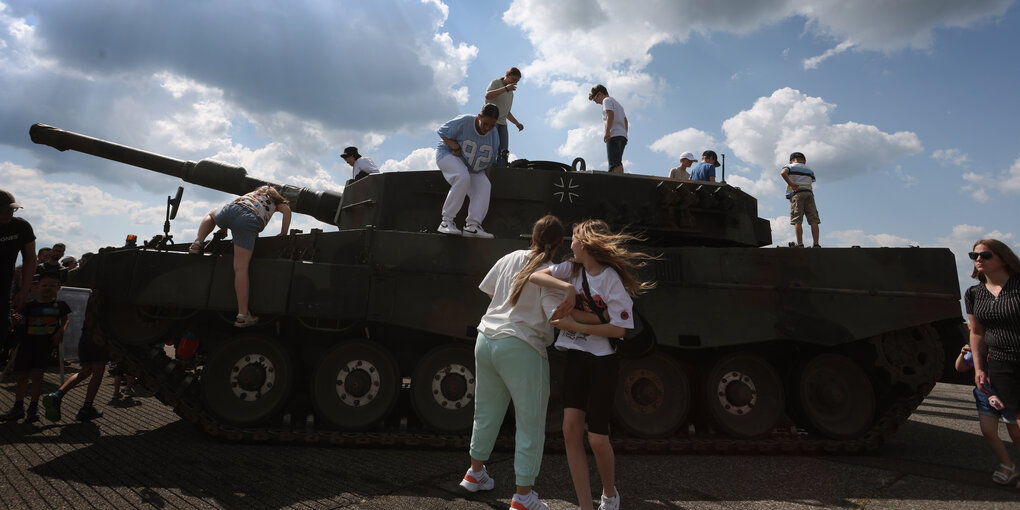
[
  {"x": 619, "y": 127},
  {"x": 503, "y": 101},
  {"x": 608, "y": 292},
  {"x": 529, "y": 319},
  {"x": 364, "y": 164}
]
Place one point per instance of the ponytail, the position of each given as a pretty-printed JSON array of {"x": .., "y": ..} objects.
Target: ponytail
[{"x": 546, "y": 236}]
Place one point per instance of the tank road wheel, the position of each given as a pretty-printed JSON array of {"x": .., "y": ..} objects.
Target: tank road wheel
[
  {"x": 135, "y": 324},
  {"x": 912, "y": 356},
  {"x": 653, "y": 397},
  {"x": 744, "y": 395},
  {"x": 443, "y": 388},
  {"x": 355, "y": 385},
  {"x": 247, "y": 380},
  {"x": 836, "y": 396}
]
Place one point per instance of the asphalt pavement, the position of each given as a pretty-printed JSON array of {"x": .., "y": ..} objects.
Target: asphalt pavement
[{"x": 140, "y": 455}]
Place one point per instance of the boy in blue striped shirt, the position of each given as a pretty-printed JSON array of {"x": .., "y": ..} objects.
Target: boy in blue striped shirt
[{"x": 799, "y": 179}]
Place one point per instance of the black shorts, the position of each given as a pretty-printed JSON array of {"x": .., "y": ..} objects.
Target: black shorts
[
  {"x": 34, "y": 353},
  {"x": 89, "y": 352},
  {"x": 589, "y": 384},
  {"x": 1005, "y": 376}
]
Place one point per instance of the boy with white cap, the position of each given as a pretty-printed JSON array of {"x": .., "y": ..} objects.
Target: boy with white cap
[{"x": 686, "y": 160}]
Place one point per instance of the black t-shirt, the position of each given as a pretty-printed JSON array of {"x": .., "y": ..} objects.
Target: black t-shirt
[
  {"x": 44, "y": 319},
  {"x": 14, "y": 235}
]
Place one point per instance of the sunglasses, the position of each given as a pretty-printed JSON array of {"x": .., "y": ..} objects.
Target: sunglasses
[{"x": 985, "y": 255}]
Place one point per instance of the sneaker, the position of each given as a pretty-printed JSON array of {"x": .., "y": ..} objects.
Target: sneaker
[
  {"x": 529, "y": 502},
  {"x": 16, "y": 413},
  {"x": 612, "y": 503},
  {"x": 195, "y": 248},
  {"x": 475, "y": 482},
  {"x": 447, "y": 227},
  {"x": 51, "y": 403},
  {"x": 117, "y": 395},
  {"x": 32, "y": 413},
  {"x": 88, "y": 412},
  {"x": 476, "y": 231}
]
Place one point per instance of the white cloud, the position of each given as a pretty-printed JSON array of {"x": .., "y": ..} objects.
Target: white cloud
[
  {"x": 419, "y": 159},
  {"x": 813, "y": 62},
  {"x": 950, "y": 157},
  {"x": 908, "y": 180},
  {"x": 790, "y": 120},
  {"x": 767, "y": 184},
  {"x": 586, "y": 142},
  {"x": 860, "y": 238},
  {"x": 689, "y": 139},
  {"x": 962, "y": 238},
  {"x": 782, "y": 231},
  {"x": 1006, "y": 182}
]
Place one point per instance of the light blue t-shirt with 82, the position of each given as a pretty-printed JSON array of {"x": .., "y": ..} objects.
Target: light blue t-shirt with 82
[{"x": 478, "y": 151}]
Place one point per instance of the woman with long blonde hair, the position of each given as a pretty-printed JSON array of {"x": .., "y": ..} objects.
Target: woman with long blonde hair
[
  {"x": 511, "y": 363},
  {"x": 599, "y": 285}
]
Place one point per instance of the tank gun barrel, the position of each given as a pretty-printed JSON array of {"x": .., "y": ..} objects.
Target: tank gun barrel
[{"x": 323, "y": 205}]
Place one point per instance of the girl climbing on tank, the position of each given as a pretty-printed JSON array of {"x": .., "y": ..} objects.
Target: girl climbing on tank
[
  {"x": 245, "y": 217},
  {"x": 597, "y": 306}
]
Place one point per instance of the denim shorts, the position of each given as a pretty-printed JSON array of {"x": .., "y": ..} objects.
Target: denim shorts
[
  {"x": 614, "y": 150},
  {"x": 243, "y": 223},
  {"x": 985, "y": 407}
]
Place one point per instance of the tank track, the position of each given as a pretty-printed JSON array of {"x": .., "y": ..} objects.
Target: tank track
[{"x": 174, "y": 386}]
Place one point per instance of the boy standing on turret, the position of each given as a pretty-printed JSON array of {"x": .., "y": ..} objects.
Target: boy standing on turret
[{"x": 799, "y": 179}]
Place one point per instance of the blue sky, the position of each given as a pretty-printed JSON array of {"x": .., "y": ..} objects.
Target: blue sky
[{"x": 907, "y": 110}]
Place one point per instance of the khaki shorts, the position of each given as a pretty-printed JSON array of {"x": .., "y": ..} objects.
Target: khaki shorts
[{"x": 802, "y": 204}]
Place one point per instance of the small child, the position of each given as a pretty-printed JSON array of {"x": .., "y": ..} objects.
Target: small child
[
  {"x": 45, "y": 320},
  {"x": 92, "y": 356},
  {"x": 990, "y": 411}
]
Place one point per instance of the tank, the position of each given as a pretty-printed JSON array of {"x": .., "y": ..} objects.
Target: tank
[{"x": 367, "y": 331}]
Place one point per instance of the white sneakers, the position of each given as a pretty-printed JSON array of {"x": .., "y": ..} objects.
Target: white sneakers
[
  {"x": 612, "y": 503},
  {"x": 475, "y": 482},
  {"x": 476, "y": 231},
  {"x": 448, "y": 227},
  {"x": 529, "y": 502}
]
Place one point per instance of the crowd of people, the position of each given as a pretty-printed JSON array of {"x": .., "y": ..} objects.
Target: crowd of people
[
  {"x": 36, "y": 321},
  {"x": 468, "y": 151}
]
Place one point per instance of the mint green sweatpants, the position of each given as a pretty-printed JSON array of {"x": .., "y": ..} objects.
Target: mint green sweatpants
[{"x": 509, "y": 369}]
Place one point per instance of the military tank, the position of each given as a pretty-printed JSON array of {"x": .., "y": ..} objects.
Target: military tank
[{"x": 367, "y": 332}]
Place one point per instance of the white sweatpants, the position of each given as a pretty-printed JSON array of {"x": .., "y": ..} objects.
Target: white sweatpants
[{"x": 464, "y": 184}]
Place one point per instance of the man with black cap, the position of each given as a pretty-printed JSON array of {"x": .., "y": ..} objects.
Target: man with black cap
[
  {"x": 360, "y": 166},
  {"x": 16, "y": 236}
]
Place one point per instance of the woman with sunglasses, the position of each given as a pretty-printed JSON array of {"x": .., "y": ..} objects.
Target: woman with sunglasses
[{"x": 993, "y": 311}]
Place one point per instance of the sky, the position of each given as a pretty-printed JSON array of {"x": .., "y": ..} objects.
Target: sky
[{"x": 907, "y": 111}]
